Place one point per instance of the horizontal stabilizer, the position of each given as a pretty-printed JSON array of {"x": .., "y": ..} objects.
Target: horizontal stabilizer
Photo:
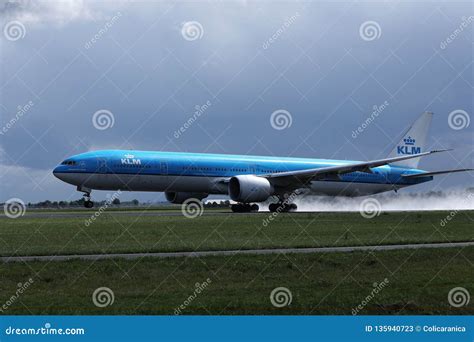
[{"x": 435, "y": 173}]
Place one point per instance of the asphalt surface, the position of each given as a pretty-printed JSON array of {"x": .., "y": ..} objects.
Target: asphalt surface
[
  {"x": 118, "y": 213},
  {"x": 131, "y": 256},
  {"x": 145, "y": 212}
]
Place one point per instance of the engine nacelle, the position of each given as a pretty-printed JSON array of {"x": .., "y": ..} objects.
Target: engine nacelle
[
  {"x": 180, "y": 197},
  {"x": 249, "y": 188}
]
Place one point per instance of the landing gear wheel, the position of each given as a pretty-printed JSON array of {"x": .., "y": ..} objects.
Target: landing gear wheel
[
  {"x": 273, "y": 207},
  {"x": 87, "y": 200},
  {"x": 244, "y": 208},
  {"x": 282, "y": 207}
]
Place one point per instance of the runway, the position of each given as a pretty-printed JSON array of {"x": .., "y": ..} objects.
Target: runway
[
  {"x": 171, "y": 213},
  {"x": 118, "y": 213},
  {"x": 131, "y": 256}
]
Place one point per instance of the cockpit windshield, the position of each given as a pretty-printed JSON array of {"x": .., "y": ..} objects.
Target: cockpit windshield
[{"x": 68, "y": 162}]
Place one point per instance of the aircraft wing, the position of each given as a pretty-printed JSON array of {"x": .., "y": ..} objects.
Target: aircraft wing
[
  {"x": 304, "y": 176},
  {"x": 435, "y": 173}
]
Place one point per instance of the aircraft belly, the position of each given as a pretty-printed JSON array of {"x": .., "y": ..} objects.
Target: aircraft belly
[
  {"x": 211, "y": 185},
  {"x": 157, "y": 183}
]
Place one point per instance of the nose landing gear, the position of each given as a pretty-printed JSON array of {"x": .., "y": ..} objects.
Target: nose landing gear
[{"x": 87, "y": 201}]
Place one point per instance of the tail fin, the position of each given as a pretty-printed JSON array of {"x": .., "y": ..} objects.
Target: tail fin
[{"x": 413, "y": 141}]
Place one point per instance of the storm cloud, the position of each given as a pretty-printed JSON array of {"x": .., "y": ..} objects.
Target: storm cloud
[{"x": 152, "y": 65}]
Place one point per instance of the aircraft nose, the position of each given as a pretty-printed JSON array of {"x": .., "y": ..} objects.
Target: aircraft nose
[
  {"x": 56, "y": 171},
  {"x": 60, "y": 171}
]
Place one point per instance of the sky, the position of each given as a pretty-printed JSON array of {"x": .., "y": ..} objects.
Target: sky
[{"x": 266, "y": 78}]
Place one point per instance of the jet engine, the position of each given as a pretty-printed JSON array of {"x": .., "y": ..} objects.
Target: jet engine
[
  {"x": 249, "y": 188},
  {"x": 180, "y": 197}
]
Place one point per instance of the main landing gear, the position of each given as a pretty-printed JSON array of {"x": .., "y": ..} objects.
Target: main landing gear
[
  {"x": 87, "y": 196},
  {"x": 244, "y": 208},
  {"x": 282, "y": 207}
]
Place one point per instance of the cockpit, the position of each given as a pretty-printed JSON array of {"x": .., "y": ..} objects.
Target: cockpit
[{"x": 69, "y": 162}]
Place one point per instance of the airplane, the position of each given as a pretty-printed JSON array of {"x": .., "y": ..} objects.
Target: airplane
[{"x": 249, "y": 180}]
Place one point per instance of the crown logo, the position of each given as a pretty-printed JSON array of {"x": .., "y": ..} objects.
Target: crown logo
[
  {"x": 409, "y": 141},
  {"x": 129, "y": 156}
]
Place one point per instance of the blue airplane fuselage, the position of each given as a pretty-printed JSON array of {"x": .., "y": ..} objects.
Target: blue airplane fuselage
[{"x": 175, "y": 171}]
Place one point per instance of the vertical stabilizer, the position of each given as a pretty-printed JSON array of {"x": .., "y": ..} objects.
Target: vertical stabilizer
[{"x": 413, "y": 141}]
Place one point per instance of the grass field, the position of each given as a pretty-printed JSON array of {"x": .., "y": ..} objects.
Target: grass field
[
  {"x": 418, "y": 281},
  {"x": 112, "y": 232}
]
